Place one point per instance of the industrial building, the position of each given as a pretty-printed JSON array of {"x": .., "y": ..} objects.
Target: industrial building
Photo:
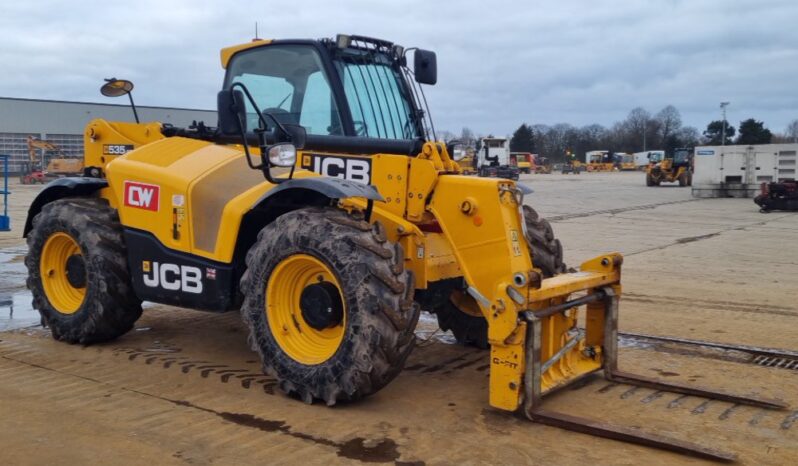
[
  {"x": 62, "y": 123},
  {"x": 738, "y": 171}
]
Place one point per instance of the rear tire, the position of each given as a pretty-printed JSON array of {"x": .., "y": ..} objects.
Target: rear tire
[
  {"x": 547, "y": 255},
  {"x": 87, "y": 235},
  {"x": 375, "y": 333}
]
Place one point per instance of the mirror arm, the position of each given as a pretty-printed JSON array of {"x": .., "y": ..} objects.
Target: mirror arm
[
  {"x": 241, "y": 125},
  {"x": 265, "y": 166},
  {"x": 252, "y": 101},
  {"x": 244, "y": 143}
]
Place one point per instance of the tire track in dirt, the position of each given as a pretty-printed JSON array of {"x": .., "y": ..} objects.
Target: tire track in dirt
[
  {"x": 246, "y": 377},
  {"x": 697, "y": 305},
  {"x": 691, "y": 239},
  {"x": 557, "y": 218},
  {"x": 53, "y": 377}
]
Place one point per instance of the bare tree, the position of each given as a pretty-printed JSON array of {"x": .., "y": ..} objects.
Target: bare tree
[
  {"x": 560, "y": 137},
  {"x": 637, "y": 126},
  {"x": 664, "y": 131},
  {"x": 670, "y": 122},
  {"x": 792, "y": 130},
  {"x": 446, "y": 136},
  {"x": 467, "y": 137},
  {"x": 687, "y": 136}
]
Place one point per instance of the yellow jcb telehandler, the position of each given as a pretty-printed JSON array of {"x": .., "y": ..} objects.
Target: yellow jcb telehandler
[
  {"x": 322, "y": 208},
  {"x": 670, "y": 168}
]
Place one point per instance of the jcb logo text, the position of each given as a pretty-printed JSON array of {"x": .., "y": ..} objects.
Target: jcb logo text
[
  {"x": 353, "y": 169},
  {"x": 172, "y": 277}
]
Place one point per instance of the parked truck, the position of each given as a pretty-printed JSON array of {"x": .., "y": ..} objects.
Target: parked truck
[{"x": 493, "y": 159}]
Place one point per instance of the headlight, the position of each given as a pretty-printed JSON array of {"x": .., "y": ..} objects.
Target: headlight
[
  {"x": 282, "y": 155},
  {"x": 343, "y": 41}
]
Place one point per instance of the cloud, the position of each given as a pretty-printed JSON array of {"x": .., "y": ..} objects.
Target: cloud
[{"x": 500, "y": 63}]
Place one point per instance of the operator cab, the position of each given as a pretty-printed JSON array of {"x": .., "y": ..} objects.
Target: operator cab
[
  {"x": 353, "y": 95},
  {"x": 351, "y": 86},
  {"x": 681, "y": 157}
]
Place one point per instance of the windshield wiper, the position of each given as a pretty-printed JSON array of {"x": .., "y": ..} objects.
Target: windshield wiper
[{"x": 280, "y": 105}]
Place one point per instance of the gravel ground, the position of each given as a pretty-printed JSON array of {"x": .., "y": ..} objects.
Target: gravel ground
[{"x": 183, "y": 387}]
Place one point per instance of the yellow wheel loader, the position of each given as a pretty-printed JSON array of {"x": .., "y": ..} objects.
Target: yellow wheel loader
[
  {"x": 670, "y": 168},
  {"x": 323, "y": 210}
]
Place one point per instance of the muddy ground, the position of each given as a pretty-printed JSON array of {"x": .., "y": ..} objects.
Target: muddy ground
[{"x": 184, "y": 388}]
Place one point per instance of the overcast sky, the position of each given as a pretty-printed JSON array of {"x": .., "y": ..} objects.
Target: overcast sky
[{"x": 499, "y": 63}]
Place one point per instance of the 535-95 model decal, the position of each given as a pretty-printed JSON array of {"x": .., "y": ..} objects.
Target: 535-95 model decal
[{"x": 117, "y": 149}]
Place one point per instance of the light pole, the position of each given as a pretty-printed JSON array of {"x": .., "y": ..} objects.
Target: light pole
[{"x": 723, "y": 106}]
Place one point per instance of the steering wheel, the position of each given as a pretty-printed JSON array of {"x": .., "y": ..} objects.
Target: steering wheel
[{"x": 282, "y": 115}]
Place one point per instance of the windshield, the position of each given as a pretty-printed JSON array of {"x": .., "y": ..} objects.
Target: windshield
[
  {"x": 681, "y": 156},
  {"x": 654, "y": 156},
  {"x": 377, "y": 99},
  {"x": 289, "y": 82}
]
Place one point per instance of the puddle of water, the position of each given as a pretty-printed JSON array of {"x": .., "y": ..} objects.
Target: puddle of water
[
  {"x": 428, "y": 330},
  {"x": 16, "y": 311},
  {"x": 13, "y": 254},
  {"x": 12, "y": 270},
  {"x": 15, "y": 301}
]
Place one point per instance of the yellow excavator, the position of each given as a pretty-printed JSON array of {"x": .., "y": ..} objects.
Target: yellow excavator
[
  {"x": 323, "y": 209},
  {"x": 39, "y": 169}
]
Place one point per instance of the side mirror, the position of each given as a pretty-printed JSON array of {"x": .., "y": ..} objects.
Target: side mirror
[
  {"x": 232, "y": 112},
  {"x": 425, "y": 67},
  {"x": 298, "y": 135}
]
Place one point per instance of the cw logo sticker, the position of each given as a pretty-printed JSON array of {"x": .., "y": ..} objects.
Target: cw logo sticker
[{"x": 142, "y": 195}]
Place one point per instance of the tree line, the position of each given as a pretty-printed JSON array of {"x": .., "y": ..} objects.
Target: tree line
[{"x": 640, "y": 131}]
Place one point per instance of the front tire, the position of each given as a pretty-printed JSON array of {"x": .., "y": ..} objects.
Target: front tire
[
  {"x": 78, "y": 272},
  {"x": 358, "y": 338},
  {"x": 547, "y": 255}
]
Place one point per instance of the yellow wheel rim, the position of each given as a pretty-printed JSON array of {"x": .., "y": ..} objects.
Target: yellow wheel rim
[
  {"x": 294, "y": 335},
  {"x": 64, "y": 297}
]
